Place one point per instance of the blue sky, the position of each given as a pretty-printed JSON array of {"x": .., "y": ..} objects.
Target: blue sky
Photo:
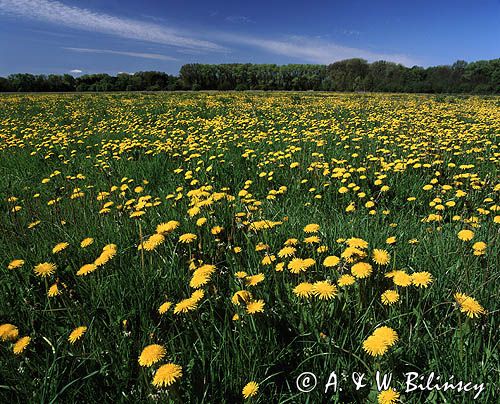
[{"x": 90, "y": 36}]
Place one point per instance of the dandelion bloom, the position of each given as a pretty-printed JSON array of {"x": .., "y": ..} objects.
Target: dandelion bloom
[
  {"x": 59, "y": 247},
  {"x": 311, "y": 228},
  {"x": 324, "y": 290},
  {"x": 250, "y": 390},
  {"x": 390, "y": 240},
  {"x": 357, "y": 243},
  {"x": 255, "y": 279},
  {"x": 401, "y": 278},
  {"x": 421, "y": 279},
  {"x": 184, "y": 306},
  {"x": 14, "y": 264},
  {"x": 331, "y": 261},
  {"x": 465, "y": 235},
  {"x": 255, "y": 306},
  {"x": 286, "y": 252},
  {"x": 21, "y": 345},
  {"x": 86, "y": 242},
  {"x": 164, "y": 307},
  {"x": 241, "y": 296},
  {"x": 389, "y": 396},
  {"x": 8, "y": 332},
  {"x": 268, "y": 259},
  {"x": 346, "y": 280},
  {"x": 197, "y": 295},
  {"x": 361, "y": 269},
  {"x": 375, "y": 346},
  {"x": 86, "y": 269},
  {"x": 296, "y": 265},
  {"x": 54, "y": 291},
  {"x": 469, "y": 305},
  {"x": 76, "y": 334},
  {"x": 389, "y": 297},
  {"x": 380, "y": 341},
  {"x": 152, "y": 242},
  {"x": 167, "y": 375},
  {"x": 151, "y": 354},
  {"x": 304, "y": 289},
  {"x": 387, "y": 334},
  {"x": 167, "y": 227},
  {"x": 187, "y": 238},
  {"x": 381, "y": 257},
  {"x": 45, "y": 269},
  {"x": 312, "y": 239}
]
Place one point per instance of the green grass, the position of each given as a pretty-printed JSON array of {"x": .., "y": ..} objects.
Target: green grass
[{"x": 107, "y": 137}]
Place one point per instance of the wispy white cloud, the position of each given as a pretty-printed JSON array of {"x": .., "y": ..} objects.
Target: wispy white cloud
[
  {"x": 300, "y": 48},
  {"x": 76, "y": 71},
  {"x": 314, "y": 50},
  {"x": 123, "y": 53},
  {"x": 80, "y": 18}
]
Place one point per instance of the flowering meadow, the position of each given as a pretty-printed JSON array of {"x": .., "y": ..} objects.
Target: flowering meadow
[{"x": 212, "y": 247}]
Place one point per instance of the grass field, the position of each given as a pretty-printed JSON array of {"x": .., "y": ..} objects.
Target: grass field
[{"x": 247, "y": 237}]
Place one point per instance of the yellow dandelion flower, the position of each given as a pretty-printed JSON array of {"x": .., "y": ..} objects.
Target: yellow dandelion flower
[
  {"x": 8, "y": 332},
  {"x": 361, "y": 270},
  {"x": 465, "y": 235},
  {"x": 14, "y": 264},
  {"x": 401, "y": 278},
  {"x": 312, "y": 240},
  {"x": 86, "y": 242},
  {"x": 21, "y": 345},
  {"x": 151, "y": 354},
  {"x": 381, "y": 257},
  {"x": 389, "y": 396},
  {"x": 357, "y": 243},
  {"x": 311, "y": 228},
  {"x": 287, "y": 251},
  {"x": 469, "y": 305},
  {"x": 421, "y": 279},
  {"x": 76, "y": 334},
  {"x": 255, "y": 306},
  {"x": 187, "y": 238},
  {"x": 304, "y": 289},
  {"x": 184, "y": 306},
  {"x": 291, "y": 241},
  {"x": 54, "y": 291},
  {"x": 167, "y": 227},
  {"x": 324, "y": 290},
  {"x": 375, "y": 346},
  {"x": 167, "y": 375},
  {"x": 346, "y": 280},
  {"x": 59, "y": 247},
  {"x": 86, "y": 269},
  {"x": 164, "y": 307},
  {"x": 45, "y": 269},
  {"x": 250, "y": 390},
  {"x": 389, "y": 297},
  {"x": 255, "y": 279},
  {"x": 390, "y": 240},
  {"x": 331, "y": 261},
  {"x": 241, "y": 296},
  {"x": 268, "y": 259}
]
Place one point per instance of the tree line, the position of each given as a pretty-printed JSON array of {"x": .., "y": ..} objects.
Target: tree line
[{"x": 481, "y": 77}]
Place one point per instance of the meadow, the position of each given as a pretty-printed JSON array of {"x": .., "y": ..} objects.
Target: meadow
[{"x": 212, "y": 247}]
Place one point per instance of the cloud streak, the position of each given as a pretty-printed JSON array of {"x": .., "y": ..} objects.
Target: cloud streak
[
  {"x": 79, "y": 18},
  {"x": 313, "y": 49},
  {"x": 122, "y": 53},
  {"x": 301, "y": 48}
]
